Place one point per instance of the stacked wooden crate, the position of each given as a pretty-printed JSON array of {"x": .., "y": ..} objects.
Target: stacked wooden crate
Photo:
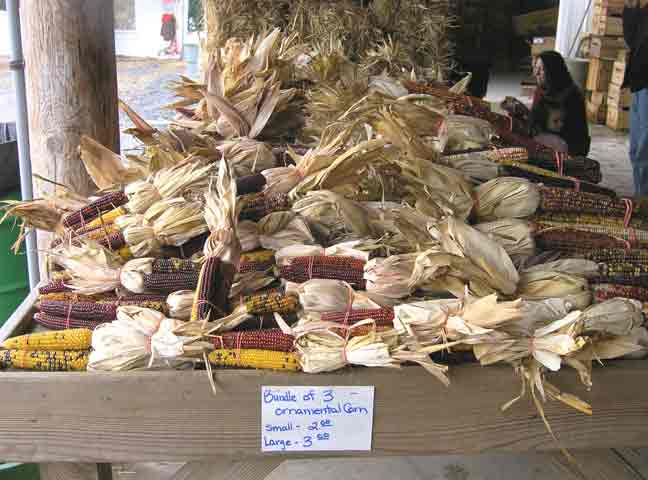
[
  {"x": 605, "y": 46},
  {"x": 619, "y": 98}
]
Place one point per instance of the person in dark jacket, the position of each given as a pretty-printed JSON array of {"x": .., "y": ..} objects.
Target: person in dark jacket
[
  {"x": 635, "y": 31},
  {"x": 557, "y": 91}
]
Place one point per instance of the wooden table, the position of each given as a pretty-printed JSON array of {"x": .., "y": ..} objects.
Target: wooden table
[{"x": 174, "y": 416}]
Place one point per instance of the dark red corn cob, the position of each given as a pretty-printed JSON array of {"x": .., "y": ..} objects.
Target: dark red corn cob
[
  {"x": 60, "y": 323},
  {"x": 214, "y": 284},
  {"x": 302, "y": 269},
  {"x": 381, "y": 316},
  {"x": 94, "y": 209},
  {"x": 271, "y": 339}
]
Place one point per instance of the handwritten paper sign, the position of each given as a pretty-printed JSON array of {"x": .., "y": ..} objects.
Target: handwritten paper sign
[{"x": 301, "y": 419}]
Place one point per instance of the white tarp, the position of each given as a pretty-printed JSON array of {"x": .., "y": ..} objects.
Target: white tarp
[{"x": 570, "y": 19}]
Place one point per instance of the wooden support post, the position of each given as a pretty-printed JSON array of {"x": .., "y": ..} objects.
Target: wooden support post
[{"x": 71, "y": 73}]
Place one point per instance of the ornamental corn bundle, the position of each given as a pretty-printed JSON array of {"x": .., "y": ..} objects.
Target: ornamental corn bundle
[
  {"x": 617, "y": 316},
  {"x": 137, "y": 336},
  {"x": 347, "y": 269},
  {"x": 64, "y": 322},
  {"x": 536, "y": 314},
  {"x": 547, "y": 345},
  {"x": 46, "y": 360},
  {"x": 607, "y": 291},
  {"x": 506, "y": 197},
  {"x": 282, "y": 229},
  {"x": 358, "y": 249},
  {"x": 465, "y": 133},
  {"x": 328, "y": 351},
  {"x": 634, "y": 238},
  {"x": 580, "y": 167},
  {"x": 475, "y": 165},
  {"x": 542, "y": 285},
  {"x": 256, "y": 261},
  {"x": 168, "y": 183},
  {"x": 179, "y": 304},
  {"x": 551, "y": 179},
  {"x": 515, "y": 236},
  {"x": 165, "y": 275},
  {"x": 255, "y": 358},
  {"x": 590, "y": 219},
  {"x": 568, "y": 201},
  {"x": 398, "y": 276},
  {"x": 380, "y": 317},
  {"x": 572, "y": 266},
  {"x": 222, "y": 250},
  {"x": 247, "y": 156},
  {"x": 270, "y": 340},
  {"x": 256, "y": 206},
  {"x": 73, "y": 339},
  {"x": 328, "y": 296},
  {"x": 459, "y": 239},
  {"x": 570, "y": 241},
  {"x": 94, "y": 209},
  {"x": 623, "y": 273},
  {"x": 426, "y": 325}
]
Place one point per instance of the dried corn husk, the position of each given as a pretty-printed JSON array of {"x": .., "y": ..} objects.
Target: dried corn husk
[
  {"x": 321, "y": 295},
  {"x": 617, "y": 316},
  {"x": 465, "y": 133},
  {"x": 513, "y": 235},
  {"x": 179, "y": 304},
  {"x": 138, "y": 337},
  {"x": 334, "y": 218},
  {"x": 92, "y": 269},
  {"x": 536, "y": 314},
  {"x": 328, "y": 351},
  {"x": 476, "y": 167},
  {"x": 399, "y": 275},
  {"x": 282, "y": 229},
  {"x": 461, "y": 240},
  {"x": 106, "y": 168},
  {"x": 284, "y": 179},
  {"x": 542, "y": 285},
  {"x": 248, "y": 234},
  {"x": 506, "y": 197},
  {"x": 360, "y": 249},
  {"x": 547, "y": 345},
  {"x": 250, "y": 282},
  {"x": 36, "y": 214},
  {"x": 247, "y": 156},
  {"x": 571, "y": 266},
  {"x": 168, "y": 183},
  {"x": 428, "y": 324}
]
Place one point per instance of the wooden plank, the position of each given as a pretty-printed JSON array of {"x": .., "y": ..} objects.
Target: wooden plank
[
  {"x": 173, "y": 416},
  {"x": 68, "y": 471}
]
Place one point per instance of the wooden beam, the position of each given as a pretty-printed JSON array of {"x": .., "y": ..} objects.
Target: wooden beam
[
  {"x": 174, "y": 416},
  {"x": 71, "y": 86}
]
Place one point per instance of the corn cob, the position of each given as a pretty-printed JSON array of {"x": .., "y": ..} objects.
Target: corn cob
[
  {"x": 107, "y": 218},
  {"x": 55, "y": 322},
  {"x": 69, "y": 297},
  {"x": 256, "y": 261},
  {"x": 271, "y": 339},
  {"x": 252, "y": 358},
  {"x": 99, "y": 311},
  {"x": 212, "y": 292},
  {"x": 381, "y": 316},
  {"x": 56, "y": 286},
  {"x": 46, "y": 360},
  {"x": 362, "y": 330},
  {"x": 590, "y": 219},
  {"x": 609, "y": 255},
  {"x": 170, "y": 282},
  {"x": 347, "y": 269},
  {"x": 550, "y": 178},
  {"x": 263, "y": 303},
  {"x": 632, "y": 236},
  {"x": 606, "y": 291},
  {"x": 73, "y": 339},
  {"x": 91, "y": 211},
  {"x": 175, "y": 265},
  {"x": 580, "y": 167},
  {"x": 258, "y": 205},
  {"x": 250, "y": 184},
  {"x": 573, "y": 242}
]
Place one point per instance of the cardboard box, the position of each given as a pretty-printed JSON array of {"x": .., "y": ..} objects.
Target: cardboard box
[
  {"x": 618, "y": 73},
  {"x": 542, "y": 44},
  {"x": 537, "y": 21},
  {"x": 606, "y": 47},
  {"x": 618, "y": 118},
  {"x": 596, "y": 113},
  {"x": 599, "y": 74},
  {"x": 612, "y": 26},
  {"x": 619, "y": 97},
  {"x": 598, "y": 98}
]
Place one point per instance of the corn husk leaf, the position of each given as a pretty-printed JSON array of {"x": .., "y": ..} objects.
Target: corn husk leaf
[
  {"x": 179, "y": 304},
  {"x": 247, "y": 156},
  {"x": 248, "y": 235},
  {"x": 106, "y": 168},
  {"x": 617, "y": 316},
  {"x": 542, "y": 285},
  {"x": 281, "y": 229},
  {"x": 506, "y": 197},
  {"x": 321, "y": 295},
  {"x": 571, "y": 266},
  {"x": 513, "y": 235}
]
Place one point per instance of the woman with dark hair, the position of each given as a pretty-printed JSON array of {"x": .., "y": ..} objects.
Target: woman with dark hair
[{"x": 557, "y": 92}]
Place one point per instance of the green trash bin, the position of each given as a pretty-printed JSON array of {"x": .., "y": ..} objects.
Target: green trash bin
[
  {"x": 14, "y": 283},
  {"x": 19, "y": 471}
]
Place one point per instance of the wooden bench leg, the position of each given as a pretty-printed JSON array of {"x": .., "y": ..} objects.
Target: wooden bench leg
[{"x": 104, "y": 471}]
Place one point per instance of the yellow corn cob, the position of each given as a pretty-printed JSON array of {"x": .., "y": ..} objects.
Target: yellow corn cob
[
  {"x": 258, "y": 256},
  {"x": 253, "y": 358},
  {"x": 107, "y": 218},
  {"x": 70, "y": 297},
  {"x": 46, "y": 360},
  {"x": 269, "y": 303},
  {"x": 101, "y": 233},
  {"x": 71, "y": 339},
  {"x": 125, "y": 253}
]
